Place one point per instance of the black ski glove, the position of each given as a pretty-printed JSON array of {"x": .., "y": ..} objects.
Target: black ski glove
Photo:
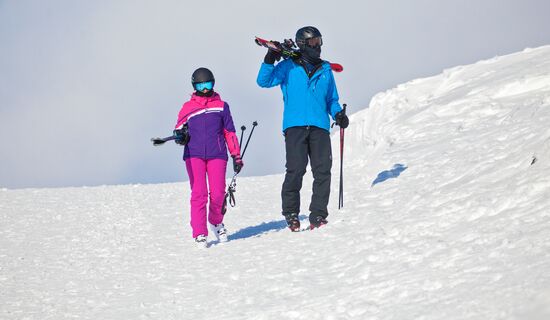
[
  {"x": 182, "y": 136},
  {"x": 342, "y": 120},
  {"x": 237, "y": 163},
  {"x": 272, "y": 56}
]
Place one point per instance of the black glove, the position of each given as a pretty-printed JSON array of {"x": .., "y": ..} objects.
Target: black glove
[
  {"x": 342, "y": 120},
  {"x": 272, "y": 55},
  {"x": 237, "y": 164},
  {"x": 182, "y": 135}
]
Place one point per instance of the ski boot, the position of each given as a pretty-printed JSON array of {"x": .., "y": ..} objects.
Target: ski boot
[
  {"x": 220, "y": 232},
  {"x": 200, "y": 241},
  {"x": 317, "y": 222},
  {"x": 293, "y": 222}
]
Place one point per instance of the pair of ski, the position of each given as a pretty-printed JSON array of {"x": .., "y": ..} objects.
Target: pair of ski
[
  {"x": 161, "y": 141},
  {"x": 288, "y": 49}
]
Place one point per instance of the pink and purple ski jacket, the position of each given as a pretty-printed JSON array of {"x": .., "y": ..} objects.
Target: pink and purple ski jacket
[{"x": 210, "y": 126}]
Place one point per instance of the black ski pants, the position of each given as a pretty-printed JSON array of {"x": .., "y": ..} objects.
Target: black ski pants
[{"x": 303, "y": 143}]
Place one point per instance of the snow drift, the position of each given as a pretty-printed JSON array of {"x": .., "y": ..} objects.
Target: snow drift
[{"x": 447, "y": 216}]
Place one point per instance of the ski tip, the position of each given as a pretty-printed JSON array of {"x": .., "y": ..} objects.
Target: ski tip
[
  {"x": 157, "y": 141},
  {"x": 336, "y": 67},
  {"x": 259, "y": 41}
]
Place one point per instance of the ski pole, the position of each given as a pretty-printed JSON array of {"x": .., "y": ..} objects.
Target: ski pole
[
  {"x": 230, "y": 194},
  {"x": 254, "y": 124},
  {"x": 341, "y": 189}
]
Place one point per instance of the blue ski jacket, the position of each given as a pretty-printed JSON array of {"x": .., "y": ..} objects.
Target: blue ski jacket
[{"x": 308, "y": 101}]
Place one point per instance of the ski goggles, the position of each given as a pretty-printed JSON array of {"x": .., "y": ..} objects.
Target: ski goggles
[
  {"x": 314, "y": 42},
  {"x": 204, "y": 85}
]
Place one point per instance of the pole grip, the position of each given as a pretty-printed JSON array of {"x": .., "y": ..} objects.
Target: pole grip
[{"x": 243, "y": 128}]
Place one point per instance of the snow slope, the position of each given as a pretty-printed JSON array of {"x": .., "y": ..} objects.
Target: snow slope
[{"x": 447, "y": 216}]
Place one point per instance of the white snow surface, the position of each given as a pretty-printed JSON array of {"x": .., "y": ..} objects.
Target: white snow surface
[{"x": 447, "y": 216}]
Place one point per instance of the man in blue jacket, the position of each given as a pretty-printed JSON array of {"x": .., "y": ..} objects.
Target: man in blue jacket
[{"x": 310, "y": 97}]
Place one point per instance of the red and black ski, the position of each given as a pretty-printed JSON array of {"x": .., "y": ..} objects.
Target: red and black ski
[{"x": 288, "y": 50}]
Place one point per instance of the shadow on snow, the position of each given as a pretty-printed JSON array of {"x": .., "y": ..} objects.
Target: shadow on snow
[
  {"x": 388, "y": 174},
  {"x": 258, "y": 230}
]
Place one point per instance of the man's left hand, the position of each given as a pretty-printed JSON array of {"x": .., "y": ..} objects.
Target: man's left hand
[{"x": 341, "y": 120}]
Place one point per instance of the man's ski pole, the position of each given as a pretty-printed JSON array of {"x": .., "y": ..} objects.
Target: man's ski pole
[{"x": 341, "y": 190}]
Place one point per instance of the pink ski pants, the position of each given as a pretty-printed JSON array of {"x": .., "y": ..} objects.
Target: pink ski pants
[{"x": 199, "y": 171}]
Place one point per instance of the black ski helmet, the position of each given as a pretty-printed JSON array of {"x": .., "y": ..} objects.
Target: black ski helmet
[
  {"x": 202, "y": 75},
  {"x": 306, "y": 33}
]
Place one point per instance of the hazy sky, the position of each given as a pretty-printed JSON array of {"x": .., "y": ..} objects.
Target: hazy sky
[{"x": 84, "y": 85}]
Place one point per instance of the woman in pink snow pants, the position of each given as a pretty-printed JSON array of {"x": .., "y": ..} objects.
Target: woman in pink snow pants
[{"x": 206, "y": 128}]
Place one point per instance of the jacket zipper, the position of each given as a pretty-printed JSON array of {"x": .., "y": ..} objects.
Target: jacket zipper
[{"x": 205, "y": 136}]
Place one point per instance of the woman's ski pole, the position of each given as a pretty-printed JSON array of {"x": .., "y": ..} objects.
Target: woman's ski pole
[{"x": 230, "y": 194}]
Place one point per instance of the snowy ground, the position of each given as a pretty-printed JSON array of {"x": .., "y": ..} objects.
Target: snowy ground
[{"x": 447, "y": 216}]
